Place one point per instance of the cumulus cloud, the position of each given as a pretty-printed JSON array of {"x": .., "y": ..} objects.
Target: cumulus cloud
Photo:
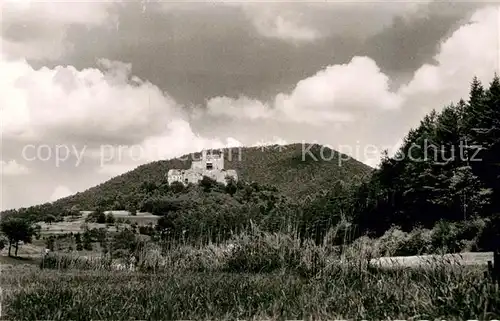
[
  {"x": 345, "y": 93},
  {"x": 114, "y": 119},
  {"x": 64, "y": 101},
  {"x": 37, "y": 29},
  {"x": 472, "y": 50},
  {"x": 12, "y": 168},
  {"x": 335, "y": 94}
]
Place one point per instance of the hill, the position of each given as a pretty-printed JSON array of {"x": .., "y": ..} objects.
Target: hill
[{"x": 296, "y": 170}]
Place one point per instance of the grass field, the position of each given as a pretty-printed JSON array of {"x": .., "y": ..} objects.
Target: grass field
[
  {"x": 260, "y": 276},
  {"x": 344, "y": 292},
  {"x": 74, "y": 225},
  {"x": 264, "y": 279}
]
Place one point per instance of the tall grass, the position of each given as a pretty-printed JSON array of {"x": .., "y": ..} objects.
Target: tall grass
[
  {"x": 255, "y": 275},
  {"x": 445, "y": 292}
]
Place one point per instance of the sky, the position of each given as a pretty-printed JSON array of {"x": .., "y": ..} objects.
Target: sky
[{"x": 90, "y": 90}]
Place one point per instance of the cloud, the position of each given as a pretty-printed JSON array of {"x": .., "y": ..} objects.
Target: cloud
[
  {"x": 116, "y": 120},
  {"x": 304, "y": 22},
  {"x": 60, "y": 191},
  {"x": 12, "y": 168},
  {"x": 346, "y": 93},
  {"x": 178, "y": 140},
  {"x": 337, "y": 93},
  {"x": 301, "y": 22},
  {"x": 38, "y": 29},
  {"x": 472, "y": 50},
  {"x": 80, "y": 104},
  {"x": 240, "y": 108},
  {"x": 348, "y": 88},
  {"x": 281, "y": 24}
]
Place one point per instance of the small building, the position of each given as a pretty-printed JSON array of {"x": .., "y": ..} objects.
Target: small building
[{"x": 210, "y": 165}]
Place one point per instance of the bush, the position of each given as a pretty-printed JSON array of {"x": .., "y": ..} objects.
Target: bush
[
  {"x": 177, "y": 187},
  {"x": 110, "y": 218},
  {"x": 489, "y": 239},
  {"x": 393, "y": 242},
  {"x": 444, "y": 237},
  {"x": 418, "y": 242},
  {"x": 61, "y": 261},
  {"x": 3, "y": 242},
  {"x": 258, "y": 252},
  {"x": 97, "y": 216}
]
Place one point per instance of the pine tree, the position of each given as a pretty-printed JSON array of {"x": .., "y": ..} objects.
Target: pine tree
[{"x": 475, "y": 110}]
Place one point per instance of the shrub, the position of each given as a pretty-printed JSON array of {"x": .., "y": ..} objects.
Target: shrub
[
  {"x": 489, "y": 239},
  {"x": 177, "y": 187},
  {"x": 392, "y": 243},
  {"x": 418, "y": 242},
  {"x": 444, "y": 237},
  {"x": 110, "y": 218},
  {"x": 97, "y": 216},
  {"x": 3, "y": 242},
  {"x": 258, "y": 252}
]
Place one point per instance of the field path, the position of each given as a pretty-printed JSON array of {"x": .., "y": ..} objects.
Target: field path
[{"x": 467, "y": 258}]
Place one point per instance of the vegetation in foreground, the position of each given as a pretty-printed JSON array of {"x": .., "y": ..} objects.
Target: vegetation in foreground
[
  {"x": 340, "y": 291},
  {"x": 257, "y": 275}
]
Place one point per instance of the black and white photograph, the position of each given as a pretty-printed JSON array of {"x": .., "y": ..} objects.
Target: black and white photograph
[{"x": 249, "y": 160}]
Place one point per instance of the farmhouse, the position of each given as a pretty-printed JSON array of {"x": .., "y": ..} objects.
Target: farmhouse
[{"x": 210, "y": 165}]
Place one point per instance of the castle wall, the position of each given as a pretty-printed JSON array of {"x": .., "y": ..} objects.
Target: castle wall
[
  {"x": 216, "y": 161},
  {"x": 199, "y": 169},
  {"x": 198, "y": 164}
]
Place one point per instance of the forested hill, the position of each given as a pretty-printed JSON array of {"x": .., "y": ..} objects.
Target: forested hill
[
  {"x": 295, "y": 170},
  {"x": 447, "y": 169}
]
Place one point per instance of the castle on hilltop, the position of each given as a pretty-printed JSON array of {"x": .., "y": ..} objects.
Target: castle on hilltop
[{"x": 210, "y": 165}]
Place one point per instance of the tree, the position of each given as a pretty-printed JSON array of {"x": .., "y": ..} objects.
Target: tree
[
  {"x": 49, "y": 219},
  {"x": 3, "y": 242},
  {"x": 470, "y": 194},
  {"x": 87, "y": 241},
  {"x": 110, "y": 218},
  {"x": 50, "y": 243},
  {"x": 148, "y": 187},
  {"x": 177, "y": 187},
  {"x": 97, "y": 216},
  {"x": 231, "y": 186},
  {"x": 207, "y": 184},
  {"x": 126, "y": 243},
  {"x": 74, "y": 211},
  {"x": 165, "y": 224},
  {"x": 17, "y": 230}
]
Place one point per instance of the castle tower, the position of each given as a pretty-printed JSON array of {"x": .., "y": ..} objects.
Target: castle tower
[{"x": 210, "y": 164}]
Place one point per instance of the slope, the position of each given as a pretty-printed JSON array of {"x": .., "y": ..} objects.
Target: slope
[{"x": 296, "y": 170}]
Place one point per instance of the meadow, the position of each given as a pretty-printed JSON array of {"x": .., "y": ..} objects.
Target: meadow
[
  {"x": 256, "y": 276},
  {"x": 75, "y": 224}
]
